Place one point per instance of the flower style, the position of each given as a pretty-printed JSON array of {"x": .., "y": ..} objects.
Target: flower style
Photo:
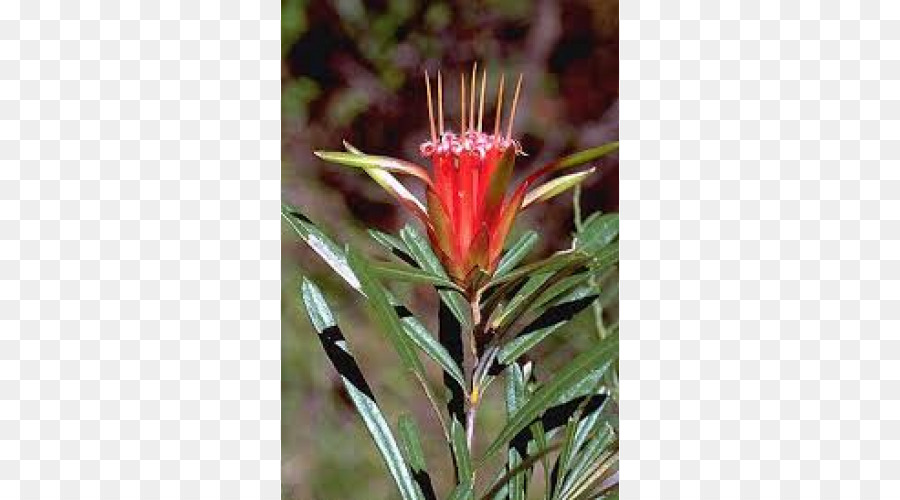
[{"x": 469, "y": 212}]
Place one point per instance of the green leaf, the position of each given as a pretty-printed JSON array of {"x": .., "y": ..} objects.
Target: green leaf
[
  {"x": 598, "y": 358},
  {"x": 357, "y": 388},
  {"x": 368, "y": 162},
  {"x": 460, "y": 451},
  {"x": 384, "y": 312},
  {"x": 555, "y": 187},
  {"x": 409, "y": 436},
  {"x": 385, "y": 315},
  {"x": 421, "y": 252},
  {"x": 515, "y": 395},
  {"x": 544, "y": 325},
  {"x": 579, "y": 158},
  {"x": 516, "y": 252},
  {"x": 392, "y": 244},
  {"x": 552, "y": 263},
  {"x": 463, "y": 491},
  {"x": 404, "y": 273},
  {"x": 430, "y": 346},
  {"x": 598, "y": 231},
  {"x": 320, "y": 243},
  {"x": 336, "y": 258}
]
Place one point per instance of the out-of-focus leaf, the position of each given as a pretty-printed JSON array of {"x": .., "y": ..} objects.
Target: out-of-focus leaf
[
  {"x": 555, "y": 187},
  {"x": 598, "y": 357},
  {"x": 516, "y": 252},
  {"x": 412, "y": 445},
  {"x": 357, "y": 388}
]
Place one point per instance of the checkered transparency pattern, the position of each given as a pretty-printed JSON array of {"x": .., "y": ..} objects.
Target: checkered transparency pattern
[
  {"x": 139, "y": 276},
  {"x": 760, "y": 295}
]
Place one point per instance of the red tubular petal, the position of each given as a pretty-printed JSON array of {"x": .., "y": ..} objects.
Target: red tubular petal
[
  {"x": 500, "y": 228},
  {"x": 466, "y": 213},
  {"x": 442, "y": 237}
]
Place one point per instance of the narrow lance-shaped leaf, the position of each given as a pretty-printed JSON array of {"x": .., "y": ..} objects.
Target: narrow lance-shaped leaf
[
  {"x": 409, "y": 437},
  {"x": 335, "y": 257},
  {"x": 516, "y": 252},
  {"x": 515, "y": 395},
  {"x": 404, "y": 273},
  {"x": 598, "y": 231},
  {"x": 358, "y": 389},
  {"x": 598, "y": 358},
  {"x": 554, "y": 187},
  {"x": 320, "y": 243},
  {"x": 421, "y": 251},
  {"x": 460, "y": 451},
  {"x": 573, "y": 160},
  {"x": 364, "y": 161},
  {"x": 386, "y": 316}
]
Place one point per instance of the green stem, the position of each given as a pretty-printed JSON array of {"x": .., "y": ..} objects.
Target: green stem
[{"x": 596, "y": 307}]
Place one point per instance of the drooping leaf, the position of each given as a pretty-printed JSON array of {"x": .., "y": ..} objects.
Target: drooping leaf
[
  {"x": 597, "y": 358},
  {"x": 516, "y": 252},
  {"x": 555, "y": 187},
  {"x": 358, "y": 389}
]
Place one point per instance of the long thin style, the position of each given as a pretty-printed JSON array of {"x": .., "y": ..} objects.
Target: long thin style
[
  {"x": 499, "y": 107},
  {"x": 512, "y": 112},
  {"x": 462, "y": 103},
  {"x": 440, "y": 104},
  {"x": 472, "y": 96},
  {"x": 481, "y": 101},
  {"x": 430, "y": 110}
]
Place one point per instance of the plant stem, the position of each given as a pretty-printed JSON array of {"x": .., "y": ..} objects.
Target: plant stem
[
  {"x": 596, "y": 307},
  {"x": 474, "y": 389}
]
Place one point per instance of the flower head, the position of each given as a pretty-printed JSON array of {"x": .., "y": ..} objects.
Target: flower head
[{"x": 469, "y": 213}]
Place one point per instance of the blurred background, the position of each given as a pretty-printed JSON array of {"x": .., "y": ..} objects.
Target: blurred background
[{"x": 353, "y": 70}]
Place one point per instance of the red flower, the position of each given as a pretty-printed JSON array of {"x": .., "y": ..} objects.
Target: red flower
[{"x": 469, "y": 213}]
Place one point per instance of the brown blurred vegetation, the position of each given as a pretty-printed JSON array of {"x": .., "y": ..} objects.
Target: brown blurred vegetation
[{"x": 353, "y": 70}]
